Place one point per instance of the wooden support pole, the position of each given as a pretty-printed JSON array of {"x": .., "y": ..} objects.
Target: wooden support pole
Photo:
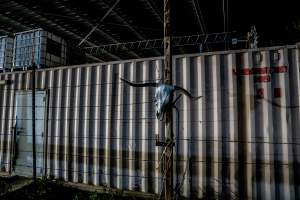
[
  {"x": 167, "y": 42},
  {"x": 168, "y": 156}
]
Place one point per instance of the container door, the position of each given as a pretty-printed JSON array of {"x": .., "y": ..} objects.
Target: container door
[{"x": 23, "y": 133}]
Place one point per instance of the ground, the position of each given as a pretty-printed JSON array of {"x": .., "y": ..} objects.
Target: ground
[{"x": 47, "y": 190}]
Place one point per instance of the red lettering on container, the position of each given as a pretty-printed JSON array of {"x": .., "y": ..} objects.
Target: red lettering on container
[
  {"x": 259, "y": 79},
  {"x": 261, "y": 70},
  {"x": 280, "y": 69},
  {"x": 247, "y": 71}
]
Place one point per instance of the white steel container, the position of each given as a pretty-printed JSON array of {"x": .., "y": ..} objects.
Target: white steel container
[
  {"x": 41, "y": 47},
  {"x": 6, "y": 52},
  {"x": 240, "y": 141}
]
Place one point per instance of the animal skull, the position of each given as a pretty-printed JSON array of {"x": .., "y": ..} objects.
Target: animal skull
[{"x": 163, "y": 97}]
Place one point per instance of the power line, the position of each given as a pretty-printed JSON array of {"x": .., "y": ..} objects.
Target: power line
[
  {"x": 85, "y": 119},
  {"x": 198, "y": 17},
  {"x": 136, "y": 120},
  {"x": 206, "y": 108},
  {"x": 117, "y": 110},
  {"x": 80, "y": 155},
  {"x": 206, "y": 162},
  {"x": 133, "y": 158},
  {"x": 201, "y": 16},
  {"x": 227, "y": 15},
  {"x": 89, "y": 171},
  {"x": 195, "y": 140},
  {"x": 79, "y": 85},
  {"x": 53, "y": 95}
]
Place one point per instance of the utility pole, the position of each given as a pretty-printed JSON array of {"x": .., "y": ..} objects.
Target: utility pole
[
  {"x": 168, "y": 156},
  {"x": 164, "y": 105},
  {"x": 33, "y": 129}
]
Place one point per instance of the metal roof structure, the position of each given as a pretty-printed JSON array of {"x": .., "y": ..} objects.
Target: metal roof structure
[{"x": 129, "y": 21}]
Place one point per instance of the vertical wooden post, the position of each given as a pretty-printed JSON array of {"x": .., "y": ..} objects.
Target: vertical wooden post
[{"x": 168, "y": 156}]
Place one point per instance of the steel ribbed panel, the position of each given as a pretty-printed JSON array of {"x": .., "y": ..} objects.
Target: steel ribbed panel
[
  {"x": 294, "y": 125},
  {"x": 3, "y": 132},
  {"x": 97, "y": 93},
  {"x": 119, "y": 130},
  {"x": 10, "y": 122},
  {"x": 240, "y": 139}
]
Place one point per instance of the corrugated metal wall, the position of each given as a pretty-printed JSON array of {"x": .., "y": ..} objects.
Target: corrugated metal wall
[{"x": 239, "y": 140}]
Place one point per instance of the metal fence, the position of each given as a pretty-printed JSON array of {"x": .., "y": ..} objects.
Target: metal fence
[{"x": 239, "y": 141}]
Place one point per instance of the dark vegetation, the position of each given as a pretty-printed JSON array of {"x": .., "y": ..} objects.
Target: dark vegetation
[{"x": 47, "y": 190}]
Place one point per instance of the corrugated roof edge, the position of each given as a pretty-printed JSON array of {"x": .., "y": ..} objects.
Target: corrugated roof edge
[{"x": 161, "y": 57}]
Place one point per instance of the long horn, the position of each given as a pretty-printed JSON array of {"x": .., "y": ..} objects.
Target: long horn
[
  {"x": 184, "y": 91},
  {"x": 140, "y": 84}
]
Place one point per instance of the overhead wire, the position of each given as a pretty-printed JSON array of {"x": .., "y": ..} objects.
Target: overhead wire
[
  {"x": 198, "y": 17},
  {"x": 206, "y": 162},
  {"x": 76, "y": 85},
  {"x": 99, "y": 22},
  {"x": 89, "y": 171},
  {"x": 91, "y": 155},
  {"x": 227, "y": 15},
  {"x": 90, "y": 105},
  {"x": 124, "y": 120},
  {"x": 201, "y": 18},
  {"x": 254, "y": 139},
  {"x": 224, "y": 14}
]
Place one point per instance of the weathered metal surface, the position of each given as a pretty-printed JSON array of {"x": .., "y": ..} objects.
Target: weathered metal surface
[
  {"x": 240, "y": 139},
  {"x": 6, "y": 52},
  {"x": 23, "y": 148}
]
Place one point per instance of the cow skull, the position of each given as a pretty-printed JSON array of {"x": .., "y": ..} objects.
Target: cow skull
[{"x": 163, "y": 95}]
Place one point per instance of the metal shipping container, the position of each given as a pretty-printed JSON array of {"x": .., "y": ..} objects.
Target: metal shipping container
[
  {"x": 39, "y": 46},
  {"x": 6, "y": 52},
  {"x": 241, "y": 140}
]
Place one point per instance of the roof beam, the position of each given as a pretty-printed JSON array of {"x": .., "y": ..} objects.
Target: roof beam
[
  {"x": 122, "y": 20},
  {"x": 154, "y": 9},
  {"x": 136, "y": 33},
  {"x": 13, "y": 24},
  {"x": 201, "y": 25},
  {"x": 87, "y": 23},
  {"x": 93, "y": 58},
  {"x": 79, "y": 18}
]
